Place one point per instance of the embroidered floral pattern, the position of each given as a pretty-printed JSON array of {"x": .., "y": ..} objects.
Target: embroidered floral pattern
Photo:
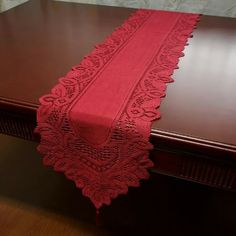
[{"x": 105, "y": 172}]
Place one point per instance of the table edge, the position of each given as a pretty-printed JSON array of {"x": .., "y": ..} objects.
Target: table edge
[{"x": 161, "y": 138}]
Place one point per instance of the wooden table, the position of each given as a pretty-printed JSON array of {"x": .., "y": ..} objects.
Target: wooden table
[{"x": 196, "y": 137}]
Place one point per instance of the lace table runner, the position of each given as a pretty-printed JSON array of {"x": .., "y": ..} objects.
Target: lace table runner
[{"x": 96, "y": 122}]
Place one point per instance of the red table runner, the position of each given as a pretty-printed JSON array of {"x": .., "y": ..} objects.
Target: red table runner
[{"x": 95, "y": 124}]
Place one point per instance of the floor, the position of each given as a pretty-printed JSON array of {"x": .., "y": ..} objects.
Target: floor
[{"x": 34, "y": 200}]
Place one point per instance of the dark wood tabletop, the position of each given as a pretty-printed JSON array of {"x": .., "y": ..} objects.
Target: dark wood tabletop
[{"x": 41, "y": 40}]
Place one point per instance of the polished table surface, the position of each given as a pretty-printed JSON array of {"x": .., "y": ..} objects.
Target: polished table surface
[{"x": 41, "y": 40}]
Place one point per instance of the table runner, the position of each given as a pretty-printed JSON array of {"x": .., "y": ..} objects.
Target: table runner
[{"x": 95, "y": 124}]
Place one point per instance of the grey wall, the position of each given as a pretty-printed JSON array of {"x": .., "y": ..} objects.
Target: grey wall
[
  {"x": 7, "y": 4},
  {"x": 208, "y": 7}
]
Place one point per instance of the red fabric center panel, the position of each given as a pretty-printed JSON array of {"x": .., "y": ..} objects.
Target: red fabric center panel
[{"x": 95, "y": 124}]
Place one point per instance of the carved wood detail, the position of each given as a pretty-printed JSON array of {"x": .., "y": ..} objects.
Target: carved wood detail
[
  {"x": 17, "y": 125},
  {"x": 207, "y": 172}
]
